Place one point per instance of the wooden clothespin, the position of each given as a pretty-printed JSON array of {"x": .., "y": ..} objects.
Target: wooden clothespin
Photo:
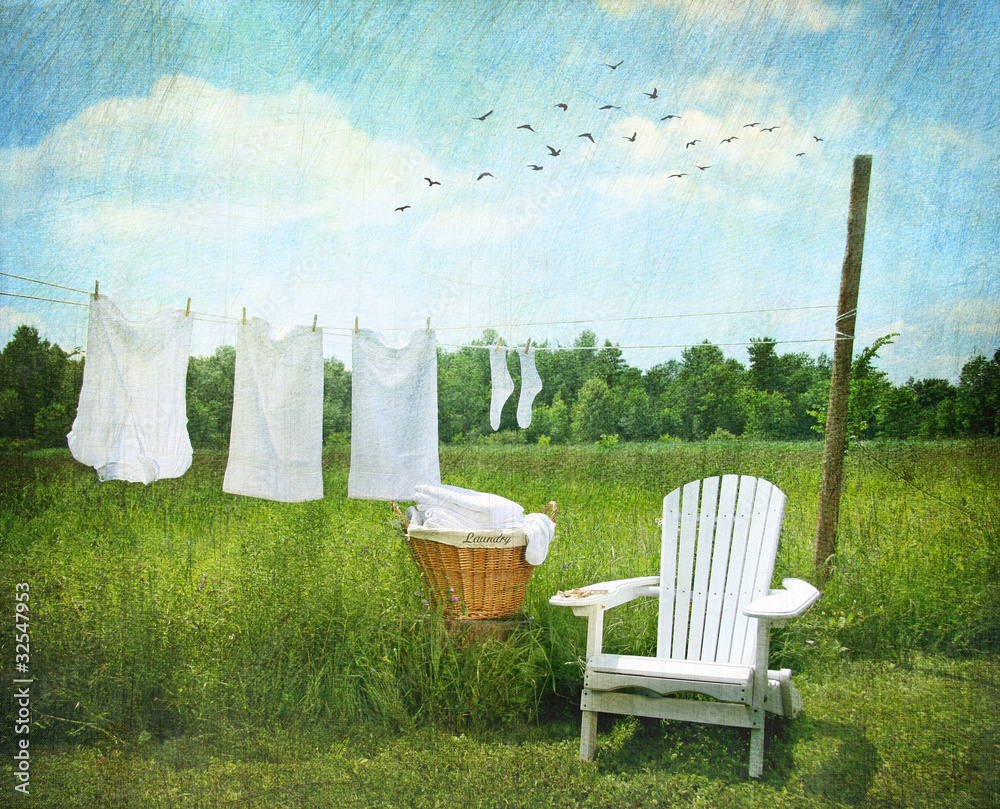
[
  {"x": 314, "y": 321},
  {"x": 97, "y": 287},
  {"x": 428, "y": 325},
  {"x": 527, "y": 345},
  {"x": 355, "y": 325},
  {"x": 244, "y": 315},
  {"x": 187, "y": 312},
  {"x": 498, "y": 344}
]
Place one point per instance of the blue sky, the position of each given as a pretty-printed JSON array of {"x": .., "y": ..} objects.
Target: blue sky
[{"x": 254, "y": 155}]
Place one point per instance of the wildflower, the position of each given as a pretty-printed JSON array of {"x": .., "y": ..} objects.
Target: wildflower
[{"x": 203, "y": 577}]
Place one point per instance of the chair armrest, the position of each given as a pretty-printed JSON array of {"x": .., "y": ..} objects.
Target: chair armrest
[
  {"x": 795, "y": 599},
  {"x": 607, "y": 594}
]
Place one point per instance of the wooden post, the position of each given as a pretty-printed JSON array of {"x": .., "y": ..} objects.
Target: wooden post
[{"x": 843, "y": 351}]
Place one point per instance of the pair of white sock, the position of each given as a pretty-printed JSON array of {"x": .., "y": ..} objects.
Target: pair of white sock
[{"x": 503, "y": 385}]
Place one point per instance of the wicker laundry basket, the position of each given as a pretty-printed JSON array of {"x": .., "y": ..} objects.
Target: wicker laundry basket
[{"x": 474, "y": 574}]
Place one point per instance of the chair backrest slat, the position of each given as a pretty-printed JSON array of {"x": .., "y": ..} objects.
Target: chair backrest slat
[
  {"x": 703, "y": 564},
  {"x": 720, "y": 539}
]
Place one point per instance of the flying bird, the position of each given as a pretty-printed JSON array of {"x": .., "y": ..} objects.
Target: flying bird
[
  {"x": 609, "y": 107},
  {"x": 692, "y": 143},
  {"x": 613, "y": 67},
  {"x": 483, "y": 117},
  {"x": 800, "y": 154},
  {"x": 652, "y": 94},
  {"x": 563, "y": 107},
  {"x": 431, "y": 182},
  {"x": 402, "y": 207},
  {"x": 818, "y": 140},
  {"x": 770, "y": 129},
  {"x": 755, "y": 123},
  {"x": 729, "y": 140},
  {"x": 676, "y": 175},
  {"x": 526, "y": 126},
  {"x": 632, "y": 139},
  {"x": 554, "y": 152},
  {"x": 665, "y": 117},
  {"x": 533, "y": 167},
  {"x": 484, "y": 174},
  {"x": 587, "y": 135},
  {"x": 701, "y": 167}
]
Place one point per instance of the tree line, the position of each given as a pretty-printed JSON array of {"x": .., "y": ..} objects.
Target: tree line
[{"x": 589, "y": 394}]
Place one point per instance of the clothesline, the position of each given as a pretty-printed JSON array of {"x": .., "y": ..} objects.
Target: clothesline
[{"x": 334, "y": 331}]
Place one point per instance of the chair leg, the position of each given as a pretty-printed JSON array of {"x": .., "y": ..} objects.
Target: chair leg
[
  {"x": 588, "y": 736},
  {"x": 757, "y": 751}
]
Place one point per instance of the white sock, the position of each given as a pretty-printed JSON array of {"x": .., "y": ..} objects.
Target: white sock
[
  {"x": 531, "y": 384},
  {"x": 503, "y": 385}
]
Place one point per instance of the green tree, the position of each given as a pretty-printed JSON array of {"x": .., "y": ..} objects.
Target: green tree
[
  {"x": 209, "y": 394},
  {"x": 336, "y": 398},
  {"x": 37, "y": 376},
  {"x": 595, "y": 413},
  {"x": 978, "y": 400},
  {"x": 765, "y": 371}
]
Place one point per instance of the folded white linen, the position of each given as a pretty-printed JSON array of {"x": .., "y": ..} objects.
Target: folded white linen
[
  {"x": 540, "y": 531},
  {"x": 474, "y": 509}
]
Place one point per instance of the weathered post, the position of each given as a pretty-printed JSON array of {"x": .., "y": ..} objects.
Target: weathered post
[{"x": 843, "y": 351}]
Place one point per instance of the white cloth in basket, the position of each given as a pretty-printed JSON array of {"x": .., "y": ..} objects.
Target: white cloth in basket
[{"x": 452, "y": 508}]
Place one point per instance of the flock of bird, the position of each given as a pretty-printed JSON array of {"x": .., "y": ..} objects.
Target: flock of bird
[{"x": 553, "y": 152}]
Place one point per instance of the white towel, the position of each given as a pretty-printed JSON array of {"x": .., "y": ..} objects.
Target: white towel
[
  {"x": 131, "y": 423},
  {"x": 540, "y": 531},
  {"x": 276, "y": 439},
  {"x": 394, "y": 428},
  {"x": 464, "y": 508}
]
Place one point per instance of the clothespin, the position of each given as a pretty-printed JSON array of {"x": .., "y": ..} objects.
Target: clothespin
[
  {"x": 187, "y": 312},
  {"x": 428, "y": 325},
  {"x": 527, "y": 345},
  {"x": 97, "y": 287},
  {"x": 314, "y": 322},
  {"x": 498, "y": 344},
  {"x": 244, "y": 315},
  {"x": 355, "y": 325}
]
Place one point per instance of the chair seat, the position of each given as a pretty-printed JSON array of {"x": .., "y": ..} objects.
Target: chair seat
[{"x": 693, "y": 671}]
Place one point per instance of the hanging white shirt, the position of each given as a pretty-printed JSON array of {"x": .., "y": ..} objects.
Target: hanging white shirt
[{"x": 131, "y": 422}]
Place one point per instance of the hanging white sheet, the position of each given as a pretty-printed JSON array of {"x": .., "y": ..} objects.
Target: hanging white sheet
[
  {"x": 131, "y": 422},
  {"x": 276, "y": 439},
  {"x": 394, "y": 416}
]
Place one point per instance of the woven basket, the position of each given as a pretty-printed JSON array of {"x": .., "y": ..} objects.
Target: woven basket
[{"x": 472, "y": 583}]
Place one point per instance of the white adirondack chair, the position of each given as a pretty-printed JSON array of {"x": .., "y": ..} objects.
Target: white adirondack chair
[{"x": 720, "y": 539}]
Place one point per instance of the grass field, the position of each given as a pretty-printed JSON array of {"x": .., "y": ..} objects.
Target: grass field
[{"x": 192, "y": 648}]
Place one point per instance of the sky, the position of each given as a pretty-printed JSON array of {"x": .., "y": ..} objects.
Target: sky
[{"x": 256, "y": 156}]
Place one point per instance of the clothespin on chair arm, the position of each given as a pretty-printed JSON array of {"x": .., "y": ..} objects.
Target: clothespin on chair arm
[
  {"x": 97, "y": 287},
  {"x": 315, "y": 317},
  {"x": 428, "y": 325},
  {"x": 499, "y": 339},
  {"x": 244, "y": 315},
  {"x": 187, "y": 312},
  {"x": 355, "y": 325},
  {"x": 527, "y": 345}
]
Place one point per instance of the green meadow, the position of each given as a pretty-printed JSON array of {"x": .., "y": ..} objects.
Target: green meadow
[{"x": 193, "y": 648}]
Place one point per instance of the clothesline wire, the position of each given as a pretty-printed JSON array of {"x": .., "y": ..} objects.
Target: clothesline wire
[{"x": 346, "y": 332}]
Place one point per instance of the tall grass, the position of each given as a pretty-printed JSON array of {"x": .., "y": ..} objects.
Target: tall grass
[{"x": 175, "y": 607}]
